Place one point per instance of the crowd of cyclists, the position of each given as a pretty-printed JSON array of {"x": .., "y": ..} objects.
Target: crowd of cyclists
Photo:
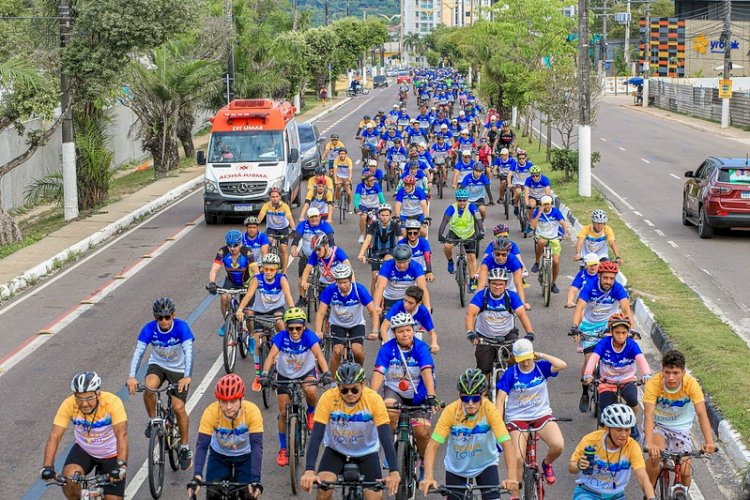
[{"x": 353, "y": 412}]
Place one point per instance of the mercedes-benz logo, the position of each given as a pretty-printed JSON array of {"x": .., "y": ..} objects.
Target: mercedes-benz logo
[{"x": 243, "y": 187}]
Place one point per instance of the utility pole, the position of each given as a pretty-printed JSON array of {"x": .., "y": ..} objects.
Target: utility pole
[
  {"x": 626, "y": 52},
  {"x": 325, "y": 6},
  {"x": 727, "y": 37},
  {"x": 347, "y": 8},
  {"x": 70, "y": 181},
  {"x": 230, "y": 51},
  {"x": 584, "y": 96},
  {"x": 603, "y": 46},
  {"x": 294, "y": 15}
]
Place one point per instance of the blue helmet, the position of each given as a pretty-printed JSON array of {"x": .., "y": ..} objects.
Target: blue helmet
[
  {"x": 462, "y": 194},
  {"x": 233, "y": 237}
]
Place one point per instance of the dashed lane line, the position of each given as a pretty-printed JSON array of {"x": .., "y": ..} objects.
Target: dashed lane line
[
  {"x": 659, "y": 232},
  {"x": 621, "y": 148},
  {"x": 674, "y": 245},
  {"x": 675, "y": 176},
  {"x": 648, "y": 222},
  {"x": 645, "y": 160}
]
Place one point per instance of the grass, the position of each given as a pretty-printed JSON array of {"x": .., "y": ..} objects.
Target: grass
[
  {"x": 35, "y": 229},
  {"x": 718, "y": 357}
]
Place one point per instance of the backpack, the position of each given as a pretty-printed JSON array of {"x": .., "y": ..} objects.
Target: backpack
[{"x": 506, "y": 299}]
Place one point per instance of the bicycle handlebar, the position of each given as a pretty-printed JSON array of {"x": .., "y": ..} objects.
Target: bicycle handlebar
[
  {"x": 158, "y": 390},
  {"x": 665, "y": 455},
  {"x": 77, "y": 478},
  {"x": 231, "y": 291},
  {"x": 415, "y": 408},
  {"x": 445, "y": 490},
  {"x": 224, "y": 485},
  {"x": 370, "y": 485}
]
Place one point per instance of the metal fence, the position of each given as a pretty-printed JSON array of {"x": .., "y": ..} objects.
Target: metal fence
[{"x": 702, "y": 102}]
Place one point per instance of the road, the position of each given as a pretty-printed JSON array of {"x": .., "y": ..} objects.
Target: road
[{"x": 96, "y": 309}]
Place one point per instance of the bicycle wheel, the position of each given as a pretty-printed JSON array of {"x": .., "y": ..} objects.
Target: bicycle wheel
[
  {"x": 342, "y": 206},
  {"x": 506, "y": 203},
  {"x": 407, "y": 466},
  {"x": 529, "y": 484},
  {"x": 292, "y": 427},
  {"x": 461, "y": 279},
  {"x": 173, "y": 443},
  {"x": 156, "y": 461},
  {"x": 243, "y": 340},
  {"x": 439, "y": 179},
  {"x": 265, "y": 391},
  {"x": 679, "y": 495},
  {"x": 230, "y": 343},
  {"x": 547, "y": 281}
]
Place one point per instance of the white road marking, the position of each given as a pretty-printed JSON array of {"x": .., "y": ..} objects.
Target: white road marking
[
  {"x": 636, "y": 212},
  {"x": 675, "y": 176},
  {"x": 659, "y": 232},
  {"x": 628, "y": 205},
  {"x": 648, "y": 222},
  {"x": 674, "y": 245},
  {"x": 645, "y": 160},
  {"x": 621, "y": 148},
  {"x": 603, "y": 139},
  {"x": 706, "y": 271}
]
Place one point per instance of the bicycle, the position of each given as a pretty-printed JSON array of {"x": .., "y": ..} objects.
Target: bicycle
[
  {"x": 462, "y": 269},
  {"x": 523, "y": 215},
  {"x": 469, "y": 491},
  {"x": 275, "y": 243},
  {"x": 352, "y": 483},
  {"x": 670, "y": 486},
  {"x": 504, "y": 349},
  {"x": 312, "y": 297},
  {"x": 533, "y": 477},
  {"x": 439, "y": 179},
  {"x": 618, "y": 391},
  {"x": 406, "y": 448},
  {"x": 92, "y": 487},
  {"x": 296, "y": 426},
  {"x": 545, "y": 273},
  {"x": 265, "y": 325},
  {"x": 164, "y": 438},
  {"x": 227, "y": 490},
  {"x": 343, "y": 201},
  {"x": 506, "y": 197},
  {"x": 232, "y": 328},
  {"x": 393, "y": 178}
]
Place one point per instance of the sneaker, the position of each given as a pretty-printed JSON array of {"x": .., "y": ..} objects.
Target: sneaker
[
  {"x": 451, "y": 267},
  {"x": 535, "y": 267},
  {"x": 301, "y": 302},
  {"x": 491, "y": 203},
  {"x": 549, "y": 473},
  {"x": 554, "y": 288},
  {"x": 527, "y": 230},
  {"x": 147, "y": 432},
  {"x": 361, "y": 239},
  {"x": 583, "y": 404},
  {"x": 256, "y": 384},
  {"x": 221, "y": 331},
  {"x": 281, "y": 459},
  {"x": 186, "y": 457},
  {"x": 515, "y": 211},
  {"x": 310, "y": 421}
]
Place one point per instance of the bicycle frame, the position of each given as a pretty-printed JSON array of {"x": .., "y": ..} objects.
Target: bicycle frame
[
  {"x": 503, "y": 349},
  {"x": 352, "y": 483},
  {"x": 670, "y": 486},
  {"x": 531, "y": 465},
  {"x": 462, "y": 269},
  {"x": 91, "y": 486}
]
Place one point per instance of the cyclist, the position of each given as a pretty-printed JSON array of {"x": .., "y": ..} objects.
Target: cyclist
[
  {"x": 589, "y": 274},
  {"x": 594, "y": 237},
  {"x": 477, "y": 184},
  {"x": 367, "y": 198},
  {"x": 484, "y": 154},
  {"x": 506, "y": 138},
  {"x": 343, "y": 168},
  {"x": 420, "y": 176},
  {"x": 319, "y": 173},
  {"x": 411, "y": 202},
  {"x": 279, "y": 222},
  {"x": 403, "y": 119},
  {"x": 441, "y": 152},
  {"x": 346, "y": 302},
  {"x": 597, "y": 302},
  {"x": 325, "y": 256},
  {"x": 380, "y": 240},
  {"x": 331, "y": 151},
  {"x": 254, "y": 239},
  {"x": 171, "y": 359},
  {"x": 548, "y": 223},
  {"x": 503, "y": 231},
  {"x": 295, "y": 352},
  {"x": 395, "y": 276},
  {"x": 232, "y": 428},
  {"x": 304, "y": 232},
  {"x": 271, "y": 292},
  {"x": 616, "y": 457},
  {"x": 363, "y": 124},
  {"x": 372, "y": 169},
  {"x": 502, "y": 257},
  {"x": 462, "y": 168},
  {"x": 404, "y": 367},
  {"x": 523, "y": 387},
  {"x": 503, "y": 164},
  {"x": 671, "y": 401},
  {"x": 465, "y": 223},
  {"x": 239, "y": 264},
  {"x": 411, "y": 304},
  {"x": 420, "y": 247},
  {"x": 474, "y": 430},
  {"x": 415, "y": 133},
  {"x": 320, "y": 197},
  {"x": 370, "y": 138},
  {"x": 100, "y": 429},
  {"x": 396, "y": 156},
  {"x": 517, "y": 176},
  {"x": 352, "y": 422},
  {"x": 617, "y": 355},
  {"x": 536, "y": 186},
  {"x": 388, "y": 139}
]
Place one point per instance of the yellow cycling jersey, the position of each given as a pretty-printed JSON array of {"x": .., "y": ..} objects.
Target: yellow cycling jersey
[
  {"x": 594, "y": 242},
  {"x": 95, "y": 433},
  {"x": 231, "y": 437},
  {"x": 611, "y": 467},
  {"x": 314, "y": 179},
  {"x": 276, "y": 218}
]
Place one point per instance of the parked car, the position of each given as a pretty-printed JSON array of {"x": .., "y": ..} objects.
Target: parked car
[
  {"x": 380, "y": 81},
  {"x": 403, "y": 77},
  {"x": 717, "y": 195},
  {"x": 391, "y": 73},
  {"x": 310, "y": 141}
]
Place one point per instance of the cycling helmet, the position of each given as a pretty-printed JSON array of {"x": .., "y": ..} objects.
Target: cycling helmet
[
  {"x": 498, "y": 274},
  {"x": 319, "y": 241},
  {"x": 342, "y": 150},
  {"x": 350, "y": 373},
  {"x": 85, "y": 382},
  {"x": 478, "y": 166},
  {"x": 396, "y": 139},
  {"x": 271, "y": 258},
  {"x": 506, "y": 123},
  {"x": 274, "y": 190},
  {"x": 320, "y": 170},
  {"x": 599, "y": 216},
  {"x": 381, "y": 111},
  {"x": 252, "y": 221},
  {"x": 608, "y": 266},
  {"x": 502, "y": 244},
  {"x": 536, "y": 169},
  {"x": 462, "y": 194},
  {"x": 500, "y": 228},
  {"x": 295, "y": 315},
  {"x": 618, "y": 319},
  {"x": 413, "y": 163},
  {"x": 471, "y": 382},
  {"x": 412, "y": 224},
  {"x": 334, "y": 136},
  {"x": 230, "y": 387},
  {"x": 619, "y": 416},
  {"x": 546, "y": 200},
  {"x": 402, "y": 253},
  {"x": 402, "y": 319},
  {"x": 410, "y": 180},
  {"x": 233, "y": 237},
  {"x": 520, "y": 152},
  {"x": 385, "y": 206},
  {"x": 342, "y": 271},
  {"x": 366, "y": 117},
  {"x": 163, "y": 306}
]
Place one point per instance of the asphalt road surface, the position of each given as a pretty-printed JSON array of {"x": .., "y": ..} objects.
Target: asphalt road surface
[{"x": 96, "y": 308}]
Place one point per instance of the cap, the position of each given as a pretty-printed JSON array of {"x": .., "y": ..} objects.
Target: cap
[
  {"x": 465, "y": 131},
  {"x": 504, "y": 151},
  {"x": 590, "y": 259},
  {"x": 444, "y": 125},
  {"x": 546, "y": 200},
  {"x": 312, "y": 211},
  {"x": 523, "y": 349},
  {"x": 372, "y": 162},
  {"x": 466, "y": 152}
]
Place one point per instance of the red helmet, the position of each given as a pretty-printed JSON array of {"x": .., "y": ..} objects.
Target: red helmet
[
  {"x": 230, "y": 387},
  {"x": 274, "y": 190},
  {"x": 618, "y": 319},
  {"x": 608, "y": 266},
  {"x": 410, "y": 180}
]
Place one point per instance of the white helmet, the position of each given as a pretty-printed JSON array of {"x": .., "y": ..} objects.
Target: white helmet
[
  {"x": 372, "y": 162},
  {"x": 504, "y": 151},
  {"x": 412, "y": 224},
  {"x": 402, "y": 319},
  {"x": 342, "y": 271},
  {"x": 85, "y": 382},
  {"x": 465, "y": 131},
  {"x": 466, "y": 152},
  {"x": 498, "y": 273},
  {"x": 599, "y": 216},
  {"x": 271, "y": 258},
  {"x": 546, "y": 200},
  {"x": 385, "y": 206},
  {"x": 312, "y": 212},
  {"x": 619, "y": 416},
  {"x": 445, "y": 126}
]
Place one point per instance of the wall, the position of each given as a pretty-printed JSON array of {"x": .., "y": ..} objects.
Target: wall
[
  {"x": 702, "y": 102},
  {"x": 704, "y": 53}
]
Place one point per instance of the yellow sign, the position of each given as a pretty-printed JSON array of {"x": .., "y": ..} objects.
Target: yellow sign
[
  {"x": 700, "y": 43},
  {"x": 725, "y": 89}
]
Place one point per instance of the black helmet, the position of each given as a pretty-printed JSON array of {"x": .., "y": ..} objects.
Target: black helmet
[
  {"x": 350, "y": 373},
  {"x": 502, "y": 243},
  {"x": 472, "y": 381},
  {"x": 320, "y": 170},
  {"x": 402, "y": 252},
  {"x": 163, "y": 306}
]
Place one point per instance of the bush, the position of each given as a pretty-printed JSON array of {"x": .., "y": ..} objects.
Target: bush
[{"x": 566, "y": 161}]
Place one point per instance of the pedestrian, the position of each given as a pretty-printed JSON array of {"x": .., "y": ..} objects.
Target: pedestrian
[{"x": 323, "y": 95}]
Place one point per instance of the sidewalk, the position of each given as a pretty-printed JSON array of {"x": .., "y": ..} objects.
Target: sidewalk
[
  {"x": 710, "y": 127},
  {"x": 25, "y": 266}
]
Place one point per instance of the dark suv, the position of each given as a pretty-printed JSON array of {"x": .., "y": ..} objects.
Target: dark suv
[{"x": 717, "y": 195}]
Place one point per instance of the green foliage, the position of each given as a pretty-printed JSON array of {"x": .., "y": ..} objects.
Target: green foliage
[
  {"x": 35, "y": 93},
  {"x": 566, "y": 161},
  {"x": 48, "y": 189},
  {"x": 357, "y": 8},
  {"x": 93, "y": 157}
]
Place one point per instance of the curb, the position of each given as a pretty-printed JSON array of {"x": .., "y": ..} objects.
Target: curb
[
  {"x": 721, "y": 427},
  {"x": 329, "y": 110},
  {"x": 696, "y": 126}
]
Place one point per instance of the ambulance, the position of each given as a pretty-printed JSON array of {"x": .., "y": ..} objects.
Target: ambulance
[{"x": 254, "y": 146}]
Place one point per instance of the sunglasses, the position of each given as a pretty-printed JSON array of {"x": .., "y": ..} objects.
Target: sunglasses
[
  {"x": 471, "y": 399},
  {"x": 536, "y": 175},
  {"x": 295, "y": 328},
  {"x": 162, "y": 318},
  {"x": 412, "y": 232},
  {"x": 500, "y": 254},
  {"x": 234, "y": 246},
  {"x": 347, "y": 390}
]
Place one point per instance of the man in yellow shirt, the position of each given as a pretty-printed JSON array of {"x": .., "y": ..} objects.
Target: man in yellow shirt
[
  {"x": 320, "y": 173},
  {"x": 343, "y": 168},
  {"x": 320, "y": 197},
  {"x": 279, "y": 221},
  {"x": 331, "y": 151},
  {"x": 595, "y": 237}
]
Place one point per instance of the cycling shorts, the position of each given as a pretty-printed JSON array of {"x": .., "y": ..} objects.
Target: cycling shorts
[
  {"x": 608, "y": 394},
  {"x": 219, "y": 467},
  {"x": 480, "y": 202},
  {"x": 286, "y": 388},
  {"x": 169, "y": 376},
  {"x": 554, "y": 244},
  {"x": 79, "y": 457},
  {"x": 488, "y": 477},
  {"x": 524, "y": 425},
  {"x": 677, "y": 441},
  {"x": 231, "y": 285},
  {"x": 470, "y": 244},
  {"x": 581, "y": 493},
  {"x": 418, "y": 418},
  {"x": 333, "y": 461},
  {"x": 355, "y": 333},
  {"x": 404, "y": 218},
  {"x": 271, "y": 232}
]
